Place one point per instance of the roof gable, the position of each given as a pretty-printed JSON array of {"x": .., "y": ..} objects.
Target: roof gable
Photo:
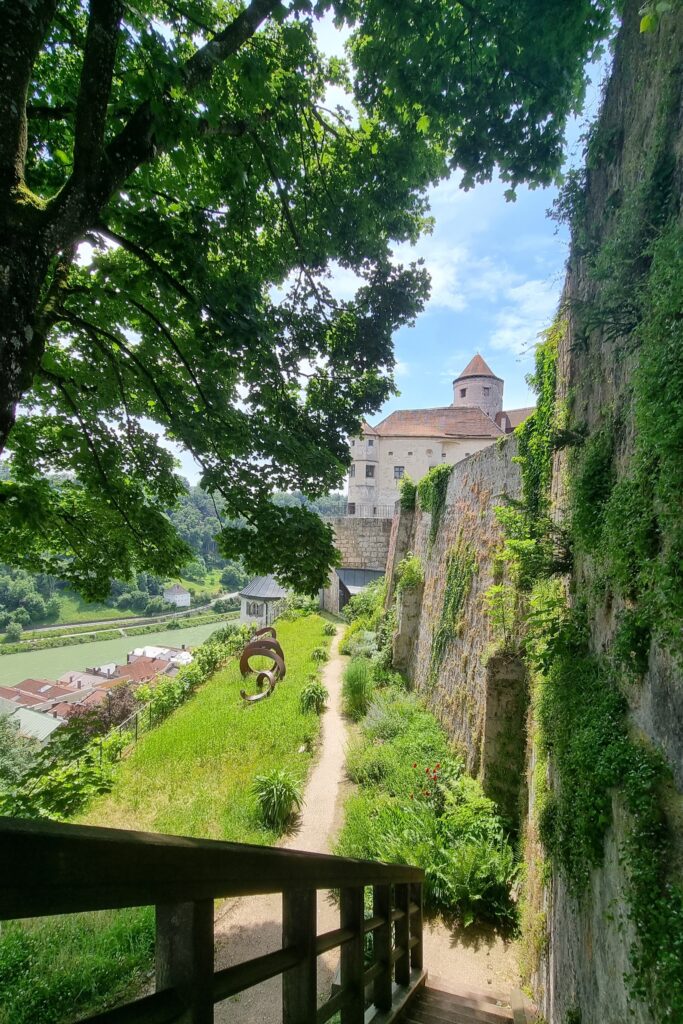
[
  {"x": 445, "y": 422},
  {"x": 477, "y": 367}
]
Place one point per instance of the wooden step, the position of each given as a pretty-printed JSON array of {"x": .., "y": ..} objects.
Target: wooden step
[{"x": 434, "y": 1006}]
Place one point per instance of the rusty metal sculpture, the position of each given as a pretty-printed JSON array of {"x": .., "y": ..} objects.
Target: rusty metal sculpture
[{"x": 263, "y": 644}]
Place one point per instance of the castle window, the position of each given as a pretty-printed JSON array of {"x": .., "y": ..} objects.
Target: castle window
[
  {"x": 410, "y": 453},
  {"x": 371, "y": 443},
  {"x": 369, "y": 471},
  {"x": 352, "y": 469},
  {"x": 353, "y": 444},
  {"x": 398, "y": 472},
  {"x": 351, "y": 508},
  {"x": 463, "y": 392},
  {"x": 487, "y": 391}
]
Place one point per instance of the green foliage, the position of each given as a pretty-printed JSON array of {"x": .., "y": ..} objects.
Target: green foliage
[
  {"x": 591, "y": 481},
  {"x": 632, "y": 525},
  {"x": 356, "y": 688},
  {"x": 580, "y": 711},
  {"x": 279, "y": 795},
  {"x": 56, "y": 969},
  {"x": 368, "y": 604},
  {"x": 583, "y": 727},
  {"x": 57, "y": 639},
  {"x": 409, "y": 573},
  {"x": 13, "y": 632},
  {"x": 16, "y": 753},
  {"x": 461, "y": 566},
  {"x": 407, "y": 493},
  {"x": 319, "y": 655},
  {"x": 417, "y": 806},
  {"x": 329, "y": 629},
  {"x": 431, "y": 493},
  {"x": 313, "y": 697},
  {"x": 193, "y": 774},
  {"x": 501, "y": 604},
  {"x": 536, "y": 435},
  {"x": 74, "y": 767},
  {"x": 296, "y": 606}
]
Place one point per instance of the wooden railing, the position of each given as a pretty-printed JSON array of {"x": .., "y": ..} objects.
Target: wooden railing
[{"x": 48, "y": 868}]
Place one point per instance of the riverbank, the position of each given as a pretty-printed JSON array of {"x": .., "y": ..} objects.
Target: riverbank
[{"x": 54, "y": 662}]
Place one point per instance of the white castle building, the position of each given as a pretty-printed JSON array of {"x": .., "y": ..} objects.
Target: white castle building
[{"x": 410, "y": 442}]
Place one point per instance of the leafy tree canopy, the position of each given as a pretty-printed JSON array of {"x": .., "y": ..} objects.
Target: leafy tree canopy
[{"x": 192, "y": 146}]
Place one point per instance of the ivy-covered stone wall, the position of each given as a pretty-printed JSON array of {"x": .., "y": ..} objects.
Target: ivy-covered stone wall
[
  {"x": 449, "y": 645},
  {"x": 580, "y": 575}
]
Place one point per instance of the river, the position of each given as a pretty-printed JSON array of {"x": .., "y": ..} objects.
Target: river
[{"x": 53, "y": 663}]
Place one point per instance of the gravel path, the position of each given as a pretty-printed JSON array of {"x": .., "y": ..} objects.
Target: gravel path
[
  {"x": 250, "y": 927},
  {"x": 474, "y": 957}
]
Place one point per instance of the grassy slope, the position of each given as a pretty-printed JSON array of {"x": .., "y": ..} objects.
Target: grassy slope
[{"x": 191, "y": 776}]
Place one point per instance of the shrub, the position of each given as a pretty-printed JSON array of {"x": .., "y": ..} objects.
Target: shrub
[
  {"x": 313, "y": 697},
  {"x": 319, "y": 654},
  {"x": 13, "y": 632},
  {"x": 409, "y": 573},
  {"x": 278, "y": 794},
  {"x": 329, "y": 629},
  {"x": 417, "y": 806},
  {"x": 356, "y": 688},
  {"x": 407, "y": 493}
]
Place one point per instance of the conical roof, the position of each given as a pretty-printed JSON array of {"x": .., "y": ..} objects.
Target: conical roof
[{"x": 477, "y": 367}]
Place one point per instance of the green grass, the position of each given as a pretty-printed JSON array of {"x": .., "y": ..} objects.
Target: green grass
[
  {"x": 210, "y": 586},
  {"x": 59, "y": 969},
  {"x": 416, "y": 805},
  {"x": 193, "y": 775},
  {"x": 357, "y": 688},
  {"x": 74, "y": 609}
]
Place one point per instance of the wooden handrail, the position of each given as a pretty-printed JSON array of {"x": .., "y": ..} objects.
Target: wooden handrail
[{"x": 74, "y": 868}]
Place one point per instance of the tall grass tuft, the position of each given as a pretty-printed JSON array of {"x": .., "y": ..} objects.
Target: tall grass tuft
[
  {"x": 279, "y": 795},
  {"x": 313, "y": 697},
  {"x": 357, "y": 688}
]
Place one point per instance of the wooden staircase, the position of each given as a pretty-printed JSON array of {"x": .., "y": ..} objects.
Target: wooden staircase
[{"x": 441, "y": 1003}]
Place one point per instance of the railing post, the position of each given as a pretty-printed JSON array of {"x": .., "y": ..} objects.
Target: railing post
[
  {"x": 403, "y": 933},
  {"x": 299, "y": 929},
  {"x": 416, "y": 926},
  {"x": 353, "y": 916},
  {"x": 184, "y": 956},
  {"x": 381, "y": 907}
]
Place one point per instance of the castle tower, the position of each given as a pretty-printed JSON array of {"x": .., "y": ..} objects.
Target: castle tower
[{"x": 478, "y": 387}]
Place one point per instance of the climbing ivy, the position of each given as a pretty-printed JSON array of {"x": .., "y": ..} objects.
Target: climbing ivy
[
  {"x": 409, "y": 573},
  {"x": 461, "y": 566},
  {"x": 431, "y": 493},
  {"x": 631, "y": 527},
  {"x": 407, "y": 493}
]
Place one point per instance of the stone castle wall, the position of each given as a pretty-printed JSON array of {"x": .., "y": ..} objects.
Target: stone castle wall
[{"x": 458, "y": 695}]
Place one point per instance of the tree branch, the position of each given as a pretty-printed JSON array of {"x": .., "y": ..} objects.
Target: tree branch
[
  {"x": 74, "y": 208},
  {"x": 101, "y": 43},
  {"x": 23, "y": 26}
]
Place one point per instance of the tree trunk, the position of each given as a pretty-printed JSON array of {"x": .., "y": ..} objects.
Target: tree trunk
[{"x": 21, "y": 345}]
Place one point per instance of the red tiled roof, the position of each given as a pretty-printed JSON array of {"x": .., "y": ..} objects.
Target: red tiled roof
[
  {"x": 142, "y": 669},
  {"x": 42, "y": 688},
  {"x": 24, "y": 700},
  {"x": 517, "y": 416},
  {"x": 444, "y": 422},
  {"x": 477, "y": 367}
]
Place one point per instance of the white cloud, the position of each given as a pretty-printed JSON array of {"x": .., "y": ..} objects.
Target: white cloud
[{"x": 528, "y": 309}]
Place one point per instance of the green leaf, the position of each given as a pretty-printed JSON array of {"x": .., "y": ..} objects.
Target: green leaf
[
  {"x": 648, "y": 23},
  {"x": 61, "y": 156},
  {"x": 423, "y": 124}
]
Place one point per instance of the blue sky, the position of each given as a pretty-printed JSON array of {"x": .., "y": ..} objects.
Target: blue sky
[{"x": 497, "y": 270}]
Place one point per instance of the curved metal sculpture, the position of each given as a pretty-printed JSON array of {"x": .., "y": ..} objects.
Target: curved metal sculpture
[{"x": 263, "y": 644}]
